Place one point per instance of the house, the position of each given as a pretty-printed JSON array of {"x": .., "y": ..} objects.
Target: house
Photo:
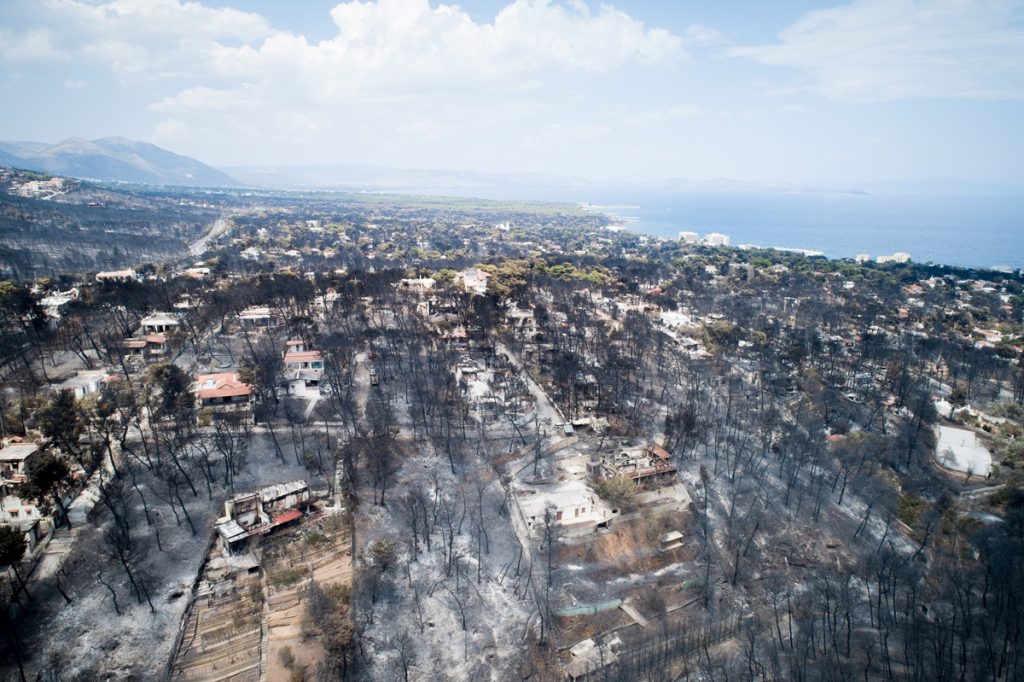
[
  {"x": 328, "y": 302},
  {"x": 303, "y": 369},
  {"x": 144, "y": 347},
  {"x": 648, "y": 465},
  {"x": 590, "y": 657},
  {"x": 116, "y": 276},
  {"x": 86, "y": 382},
  {"x": 24, "y": 515},
  {"x": 160, "y": 323},
  {"x": 222, "y": 389},
  {"x": 598, "y": 425},
  {"x": 416, "y": 286},
  {"x": 573, "y": 506},
  {"x": 261, "y": 511},
  {"x": 716, "y": 239},
  {"x": 304, "y": 359},
  {"x": 197, "y": 272},
  {"x": 455, "y": 338},
  {"x": 257, "y": 317},
  {"x": 523, "y": 321},
  {"x": 13, "y": 456},
  {"x": 57, "y": 303},
  {"x": 473, "y": 280}
]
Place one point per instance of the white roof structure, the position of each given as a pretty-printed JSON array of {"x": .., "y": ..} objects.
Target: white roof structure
[
  {"x": 276, "y": 492},
  {"x": 17, "y": 452},
  {"x": 577, "y": 503},
  {"x": 160, "y": 318},
  {"x": 231, "y": 531},
  {"x": 959, "y": 450}
]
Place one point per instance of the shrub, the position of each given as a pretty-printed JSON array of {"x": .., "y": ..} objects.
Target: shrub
[{"x": 617, "y": 491}]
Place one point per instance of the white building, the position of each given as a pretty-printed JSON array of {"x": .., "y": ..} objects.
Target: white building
[
  {"x": 419, "y": 285},
  {"x": 12, "y": 460},
  {"x": 716, "y": 239},
  {"x": 898, "y": 257},
  {"x": 56, "y": 303},
  {"x": 473, "y": 280},
  {"x": 257, "y": 317},
  {"x": 86, "y": 382},
  {"x": 689, "y": 237},
  {"x": 573, "y": 506},
  {"x": 862, "y": 258},
  {"x": 160, "y": 323},
  {"x": 116, "y": 276},
  {"x": 304, "y": 369}
]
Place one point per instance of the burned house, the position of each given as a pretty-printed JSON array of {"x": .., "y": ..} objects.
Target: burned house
[
  {"x": 648, "y": 465},
  {"x": 261, "y": 511}
]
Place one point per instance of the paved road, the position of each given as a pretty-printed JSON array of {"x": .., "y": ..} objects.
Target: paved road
[
  {"x": 547, "y": 413},
  {"x": 198, "y": 247}
]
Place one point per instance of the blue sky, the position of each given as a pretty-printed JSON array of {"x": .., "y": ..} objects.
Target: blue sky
[{"x": 808, "y": 92}]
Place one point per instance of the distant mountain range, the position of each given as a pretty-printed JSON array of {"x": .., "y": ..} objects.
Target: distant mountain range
[
  {"x": 345, "y": 176},
  {"x": 359, "y": 177},
  {"x": 112, "y": 159},
  {"x": 122, "y": 160}
]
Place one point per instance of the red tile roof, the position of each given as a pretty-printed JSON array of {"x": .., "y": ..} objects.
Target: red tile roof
[
  {"x": 286, "y": 516},
  {"x": 304, "y": 356},
  {"x": 224, "y": 385}
]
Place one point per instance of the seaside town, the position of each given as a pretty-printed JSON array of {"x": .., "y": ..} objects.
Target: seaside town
[{"x": 381, "y": 437}]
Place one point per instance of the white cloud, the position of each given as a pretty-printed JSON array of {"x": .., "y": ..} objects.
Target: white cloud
[
  {"x": 874, "y": 50},
  {"x": 653, "y": 117},
  {"x": 74, "y": 84},
  {"x": 397, "y": 75},
  {"x": 34, "y": 44},
  {"x": 407, "y": 46},
  {"x": 150, "y": 38}
]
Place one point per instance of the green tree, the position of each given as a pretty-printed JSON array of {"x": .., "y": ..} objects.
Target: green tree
[
  {"x": 61, "y": 421},
  {"x": 172, "y": 385},
  {"x": 618, "y": 491},
  {"x": 49, "y": 475},
  {"x": 12, "y": 549}
]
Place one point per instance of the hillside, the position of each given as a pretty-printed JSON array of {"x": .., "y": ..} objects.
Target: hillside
[
  {"x": 113, "y": 159},
  {"x": 58, "y": 225}
]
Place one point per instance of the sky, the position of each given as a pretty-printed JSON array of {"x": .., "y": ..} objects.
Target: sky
[{"x": 634, "y": 90}]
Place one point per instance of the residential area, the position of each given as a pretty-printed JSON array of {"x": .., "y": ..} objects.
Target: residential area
[{"x": 402, "y": 439}]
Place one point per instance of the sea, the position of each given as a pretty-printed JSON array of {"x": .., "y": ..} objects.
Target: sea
[
  {"x": 959, "y": 230},
  {"x": 970, "y": 231}
]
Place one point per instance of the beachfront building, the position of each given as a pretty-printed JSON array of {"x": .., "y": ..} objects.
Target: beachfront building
[
  {"x": 898, "y": 257},
  {"x": 689, "y": 237},
  {"x": 716, "y": 239}
]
